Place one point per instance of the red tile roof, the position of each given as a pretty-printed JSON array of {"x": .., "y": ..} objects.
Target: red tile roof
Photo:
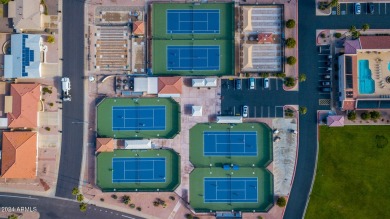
[
  {"x": 139, "y": 28},
  {"x": 265, "y": 38},
  {"x": 19, "y": 155},
  {"x": 375, "y": 42},
  {"x": 104, "y": 145},
  {"x": 25, "y": 102},
  {"x": 170, "y": 85}
]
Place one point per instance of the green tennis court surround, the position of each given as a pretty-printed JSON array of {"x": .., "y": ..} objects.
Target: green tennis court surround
[
  {"x": 192, "y": 39},
  {"x": 261, "y": 156},
  {"x": 203, "y": 202},
  {"x": 136, "y": 118},
  {"x": 138, "y": 170}
]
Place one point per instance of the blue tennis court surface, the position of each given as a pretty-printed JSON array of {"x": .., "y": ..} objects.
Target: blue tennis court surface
[
  {"x": 138, "y": 118},
  {"x": 230, "y": 143},
  {"x": 193, "y": 57},
  {"x": 230, "y": 190},
  {"x": 192, "y": 21},
  {"x": 125, "y": 170}
]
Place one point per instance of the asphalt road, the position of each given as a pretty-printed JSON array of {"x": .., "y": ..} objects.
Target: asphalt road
[
  {"x": 308, "y": 60},
  {"x": 51, "y": 208},
  {"x": 73, "y": 112}
]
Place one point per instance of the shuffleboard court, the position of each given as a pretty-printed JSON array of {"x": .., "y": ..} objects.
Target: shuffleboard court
[
  {"x": 138, "y": 118},
  {"x": 199, "y": 21},
  {"x": 230, "y": 143},
  {"x": 195, "y": 58},
  {"x": 230, "y": 190},
  {"x": 142, "y": 170}
]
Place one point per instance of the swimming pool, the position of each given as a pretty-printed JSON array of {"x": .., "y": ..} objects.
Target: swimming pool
[
  {"x": 366, "y": 84},
  {"x": 388, "y": 66}
]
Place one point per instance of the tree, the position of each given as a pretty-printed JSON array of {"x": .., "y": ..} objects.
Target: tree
[
  {"x": 290, "y": 43},
  {"x": 80, "y": 197},
  {"x": 375, "y": 115},
  {"x": 4, "y": 2},
  {"x": 188, "y": 216},
  {"x": 291, "y": 60},
  {"x": 302, "y": 77},
  {"x": 281, "y": 202},
  {"x": 126, "y": 199},
  {"x": 50, "y": 39},
  {"x": 75, "y": 191},
  {"x": 303, "y": 110},
  {"x": 365, "y": 27},
  {"x": 333, "y": 3},
  {"x": 337, "y": 35},
  {"x": 352, "y": 29},
  {"x": 289, "y": 82},
  {"x": 290, "y": 23},
  {"x": 83, "y": 207},
  {"x": 355, "y": 34},
  {"x": 352, "y": 116},
  {"x": 13, "y": 216},
  {"x": 114, "y": 196},
  {"x": 365, "y": 116}
]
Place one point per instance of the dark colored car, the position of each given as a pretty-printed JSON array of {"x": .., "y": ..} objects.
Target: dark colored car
[
  {"x": 326, "y": 89},
  {"x": 238, "y": 84},
  {"x": 370, "y": 8},
  {"x": 325, "y": 83}
]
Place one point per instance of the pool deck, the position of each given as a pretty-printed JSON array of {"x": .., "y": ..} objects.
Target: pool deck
[{"x": 378, "y": 78}]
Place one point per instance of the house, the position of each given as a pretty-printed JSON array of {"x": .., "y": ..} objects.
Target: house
[
  {"x": 22, "y": 107},
  {"x": 364, "y": 82},
  {"x": 24, "y": 60},
  {"x": 26, "y": 15},
  {"x": 105, "y": 144},
  {"x": 170, "y": 86},
  {"x": 19, "y": 155}
]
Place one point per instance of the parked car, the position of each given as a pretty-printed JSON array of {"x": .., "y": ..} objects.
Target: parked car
[
  {"x": 326, "y": 89},
  {"x": 245, "y": 111},
  {"x": 370, "y": 8},
  {"x": 251, "y": 83},
  {"x": 266, "y": 83},
  {"x": 325, "y": 83},
  {"x": 357, "y": 8},
  {"x": 327, "y": 77},
  {"x": 238, "y": 84}
]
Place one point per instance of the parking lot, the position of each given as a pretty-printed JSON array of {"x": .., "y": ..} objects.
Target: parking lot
[
  {"x": 348, "y": 9},
  {"x": 261, "y": 102},
  {"x": 325, "y": 66}
]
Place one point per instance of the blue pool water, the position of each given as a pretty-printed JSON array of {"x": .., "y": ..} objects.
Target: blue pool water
[
  {"x": 388, "y": 66},
  {"x": 366, "y": 84}
]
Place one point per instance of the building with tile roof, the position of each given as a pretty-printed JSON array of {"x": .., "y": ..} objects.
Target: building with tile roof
[
  {"x": 170, "y": 86},
  {"x": 24, "y": 60},
  {"x": 364, "y": 80},
  {"x": 138, "y": 28},
  {"x": 105, "y": 145},
  {"x": 19, "y": 155},
  {"x": 25, "y": 105},
  {"x": 335, "y": 121},
  {"x": 25, "y": 15}
]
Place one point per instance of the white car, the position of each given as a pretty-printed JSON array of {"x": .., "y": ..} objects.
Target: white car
[
  {"x": 266, "y": 83},
  {"x": 357, "y": 8},
  {"x": 245, "y": 111}
]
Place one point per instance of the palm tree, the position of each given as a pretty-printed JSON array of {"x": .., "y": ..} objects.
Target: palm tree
[
  {"x": 352, "y": 29},
  {"x": 302, "y": 77},
  {"x": 365, "y": 27}
]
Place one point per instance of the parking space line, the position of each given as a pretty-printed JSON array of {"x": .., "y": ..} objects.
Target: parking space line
[
  {"x": 379, "y": 8},
  {"x": 385, "y": 8},
  {"x": 268, "y": 111},
  {"x": 261, "y": 111},
  {"x": 254, "y": 115},
  {"x": 234, "y": 110},
  {"x": 276, "y": 84}
]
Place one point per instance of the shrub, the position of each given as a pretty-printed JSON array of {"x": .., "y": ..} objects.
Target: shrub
[
  {"x": 47, "y": 129},
  {"x": 13, "y": 216},
  {"x": 114, "y": 196},
  {"x": 291, "y": 60},
  {"x": 337, "y": 35},
  {"x": 80, "y": 197},
  {"x": 352, "y": 116},
  {"x": 50, "y": 39},
  {"x": 102, "y": 199},
  {"x": 290, "y": 23},
  {"x": 259, "y": 217},
  {"x": 289, "y": 113},
  {"x": 264, "y": 75},
  {"x": 290, "y": 43},
  {"x": 51, "y": 104},
  {"x": 322, "y": 35},
  {"x": 303, "y": 110},
  {"x": 281, "y": 202},
  {"x": 375, "y": 115},
  {"x": 172, "y": 198},
  {"x": 132, "y": 205},
  {"x": 126, "y": 199},
  {"x": 281, "y": 75},
  {"x": 75, "y": 190},
  {"x": 289, "y": 82},
  {"x": 365, "y": 116},
  {"x": 189, "y": 216},
  {"x": 4, "y": 2},
  {"x": 139, "y": 209}
]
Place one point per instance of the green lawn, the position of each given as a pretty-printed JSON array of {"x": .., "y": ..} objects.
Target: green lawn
[{"x": 353, "y": 178}]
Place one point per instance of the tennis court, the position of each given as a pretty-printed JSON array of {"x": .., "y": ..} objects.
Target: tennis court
[
  {"x": 230, "y": 143},
  {"x": 138, "y": 170},
  {"x": 231, "y": 190},
  {"x": 199, "y": 21},
  {"x": 138, "y": 118},
  {"x": 193, "y": 57}
]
